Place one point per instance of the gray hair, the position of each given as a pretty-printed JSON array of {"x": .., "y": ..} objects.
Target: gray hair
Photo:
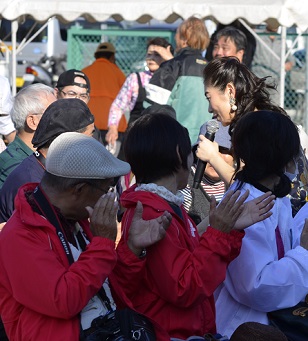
[{"x": 29, "y": 101}]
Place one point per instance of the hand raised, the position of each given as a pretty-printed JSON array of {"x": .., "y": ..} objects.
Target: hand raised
[
  {"x": 164, "y": 52},
  {"x": 103, "y": 216},
  {"x": 144, "y": 233},
  {"x": 255, "y": 210},
  {"x": 224, "y": 216}
]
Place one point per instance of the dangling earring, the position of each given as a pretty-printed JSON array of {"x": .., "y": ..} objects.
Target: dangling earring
[{"x": 232, "y": 103}]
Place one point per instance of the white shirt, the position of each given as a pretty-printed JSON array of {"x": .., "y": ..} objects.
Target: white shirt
[
  {"x": 95, "y": 306},
  {"x": 257, "y": 282},
  {"x": 6, "y": 103}
]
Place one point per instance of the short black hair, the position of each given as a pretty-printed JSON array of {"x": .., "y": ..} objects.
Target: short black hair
[
  {"x": 235, "y": 35},
  {"x": 156, "y": 145},
  {"x": 265, "y": 141},
  {"x": 157, "y": 108}
]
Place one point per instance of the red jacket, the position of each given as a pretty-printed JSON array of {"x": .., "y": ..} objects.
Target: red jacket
[
  {"x": 41, "y": 296},
  {"x": 178, "y": 276}
]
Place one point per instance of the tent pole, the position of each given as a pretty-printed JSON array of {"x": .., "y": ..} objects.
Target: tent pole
[
  {"x": 14, "y": 26},
  {"x": 305, "y": 113},
  {"x": 282, "y": 63},
  {"x": 263, "y": 43}
]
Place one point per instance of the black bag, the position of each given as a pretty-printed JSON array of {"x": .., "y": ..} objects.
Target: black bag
[
  {"x": 293, "y": 322},
  {"x": 121, "y": 325}
]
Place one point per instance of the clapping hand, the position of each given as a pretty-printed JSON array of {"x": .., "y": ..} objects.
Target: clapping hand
[
  {"x": 144, "y": 233},
  {"x": 255, "y": 210},
  {"x": 234, "y": 213},
  {"x": 224, "y": 216}
]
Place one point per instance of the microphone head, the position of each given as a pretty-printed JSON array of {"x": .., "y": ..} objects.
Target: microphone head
[{"x": 212, "y": 126}]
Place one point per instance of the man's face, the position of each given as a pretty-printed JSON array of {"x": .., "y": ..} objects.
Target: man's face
[
  {"x": 47, "y": 100},
  {"x": 75, "y": 91},
  {"x": 33, "y": 119},
  {"x": 225, "y": 47},
  {"x": 87, "y": 194},
  {"x": 89, "y": 130}
]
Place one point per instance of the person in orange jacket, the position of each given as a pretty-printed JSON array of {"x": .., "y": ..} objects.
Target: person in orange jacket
[{"x": 106, "y": 80}]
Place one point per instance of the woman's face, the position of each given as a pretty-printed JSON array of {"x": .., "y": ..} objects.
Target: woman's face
[
  {"x": 153, "y": 59},
  {"x": 219, "y": 104}
]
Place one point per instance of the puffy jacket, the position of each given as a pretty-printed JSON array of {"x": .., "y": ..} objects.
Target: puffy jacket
[{"x": 179, "y": 83}]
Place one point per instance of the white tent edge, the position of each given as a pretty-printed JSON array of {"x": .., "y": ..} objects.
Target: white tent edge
[{"x": 286, "y": 12}]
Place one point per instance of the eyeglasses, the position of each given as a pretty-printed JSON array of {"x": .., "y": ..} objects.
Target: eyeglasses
[
  {"x": 73, "y": 94},
  {"x": 104, "y": 190}
]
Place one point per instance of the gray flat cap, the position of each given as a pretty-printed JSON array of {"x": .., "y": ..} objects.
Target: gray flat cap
[{"x": 77, "y": 156}]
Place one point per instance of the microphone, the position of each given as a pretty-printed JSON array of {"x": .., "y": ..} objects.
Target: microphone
[{"x": 211, "y": 127}]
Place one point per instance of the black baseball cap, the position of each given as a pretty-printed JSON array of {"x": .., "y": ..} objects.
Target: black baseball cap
[
  {"x": 63, "y": 115},
  {"x": 68, "y": 78}
]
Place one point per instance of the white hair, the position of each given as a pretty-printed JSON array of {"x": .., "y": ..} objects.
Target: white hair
[{"x": 29, "y": 101}]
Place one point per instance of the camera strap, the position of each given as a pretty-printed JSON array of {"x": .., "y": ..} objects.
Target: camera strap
[
  {"x": 47, "y": 210},
  {"x": 40, "y": 158}
]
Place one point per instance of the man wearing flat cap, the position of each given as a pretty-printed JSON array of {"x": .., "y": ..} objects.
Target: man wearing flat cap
[
  {"x": 106, "y": 81},
  {"x": 58, "y": 248},
  {"x": 60, "y": 117}
]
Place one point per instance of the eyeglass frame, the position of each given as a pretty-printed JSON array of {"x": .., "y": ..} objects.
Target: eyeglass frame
[
  {"x": 105, "y": 191},
  {"x": 79, "y": 96}
]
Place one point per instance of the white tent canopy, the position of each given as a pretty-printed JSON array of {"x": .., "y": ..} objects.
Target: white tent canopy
[{"x": 286, "y": 12}]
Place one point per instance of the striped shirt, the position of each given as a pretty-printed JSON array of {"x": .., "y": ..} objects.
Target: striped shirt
[{"x": 210, "y": 187}]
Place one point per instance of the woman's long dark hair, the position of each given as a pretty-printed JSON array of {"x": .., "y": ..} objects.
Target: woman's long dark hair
[
  {"x": 252, "y": 92},
  {"x": 265, "y": 141}
]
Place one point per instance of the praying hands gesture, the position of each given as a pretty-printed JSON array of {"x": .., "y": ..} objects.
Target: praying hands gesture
[{"x": 103, "y": 216}]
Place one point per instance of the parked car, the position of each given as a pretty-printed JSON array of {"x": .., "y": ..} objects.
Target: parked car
[{"x": 50, "y": 41}]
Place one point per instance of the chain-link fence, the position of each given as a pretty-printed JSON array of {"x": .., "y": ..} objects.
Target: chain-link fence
[
  {"x": 296, "y": 87},
  {"x": 266, "y": 63},
  {"x": 131, "y": 49},
  {"x": 130, "y": 46}
]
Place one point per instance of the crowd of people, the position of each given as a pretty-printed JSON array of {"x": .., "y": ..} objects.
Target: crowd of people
[{"x": 89, "y": 231}]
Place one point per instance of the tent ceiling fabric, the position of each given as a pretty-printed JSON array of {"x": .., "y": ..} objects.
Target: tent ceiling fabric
[{"x": 287, "y": 12}]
